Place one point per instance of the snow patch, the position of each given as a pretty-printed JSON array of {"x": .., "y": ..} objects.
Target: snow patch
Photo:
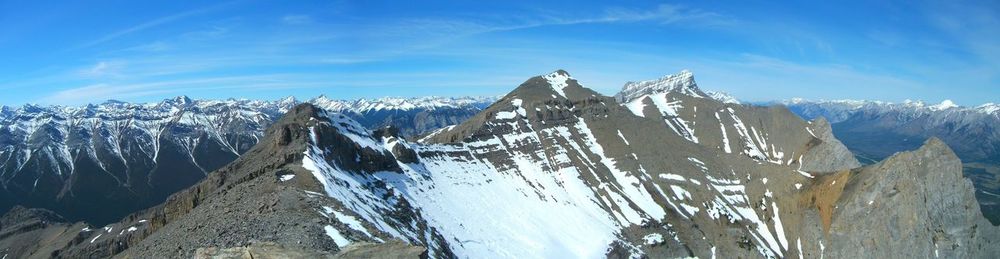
[
  {"x": 652, "y": 239},
  {"x": 623, "y": 137},
  {"x": 944, "y": 105},
  {"x": 338, "y": 238},
  {"x": 558, "y": 81},
  {"x": 674, "y": 177}
]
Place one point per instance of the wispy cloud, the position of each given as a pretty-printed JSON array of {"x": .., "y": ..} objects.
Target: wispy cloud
[
  {"x": 150, "y": 24},
  {"x": 294, "y": 19},
  {"x": 664, "y": 14},
  {"x": 406, "y": 35},
  {"x": 974, "y": 28},
  {"x": 105, "y": 91},
  {"x": 103, "y": 69}
]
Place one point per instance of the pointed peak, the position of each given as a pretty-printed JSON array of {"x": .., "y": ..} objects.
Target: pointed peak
[
  {"x": 322, "y": 99},
  {"x": 989, "y": 108},
  {"x": 944, "y": 105},
  {"x": 935, "y": 145},
  {"x": 682, "y": 82},
  {"x": 557, "y": 84},
  {"x": 183, "y": 99},
  {"x": 113, "y": 102},
  {"x": 288, "y": 100},
  {"x": 560, "y": 72},
  {"x": 558, "y": 80}
]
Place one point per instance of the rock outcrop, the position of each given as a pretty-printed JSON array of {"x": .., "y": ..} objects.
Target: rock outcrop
[{"x": 914, "y": 204}]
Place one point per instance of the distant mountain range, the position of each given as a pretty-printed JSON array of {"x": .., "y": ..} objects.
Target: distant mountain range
[
  {"x": 553, "y": 170},
  {"x": 875, "y": 130},
  {"x": 101, "y": 162}
]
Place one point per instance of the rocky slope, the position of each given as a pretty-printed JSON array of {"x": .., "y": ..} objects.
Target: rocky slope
[
  {"x": 554, "y": 169},
  {"x": 876, "y": 130},
  {"x": 101, "y": 162}
]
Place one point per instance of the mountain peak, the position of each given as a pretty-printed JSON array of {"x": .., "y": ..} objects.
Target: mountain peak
[
  {"x": 557, "y": 84},
  {"x": 682, "y": 82},
  {"x": 181, "y": 100},
  {"x": 989, "y": 108},
  {"x": 289, "y": 100},
  {"x": 944, "y": 105},
  {"x": 560, "y": 72},
  {"x": 558, "y": 80}
]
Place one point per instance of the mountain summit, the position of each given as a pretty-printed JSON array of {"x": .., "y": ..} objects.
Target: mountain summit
[{"x": 682, "y": 82}]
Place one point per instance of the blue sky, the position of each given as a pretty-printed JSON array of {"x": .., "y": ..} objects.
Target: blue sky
[{"x": 76, "y": 53}]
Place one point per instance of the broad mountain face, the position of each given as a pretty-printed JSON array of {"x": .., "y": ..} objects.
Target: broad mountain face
[
  {"x": 101, "y": 162},
  {"x": 876, "y": 130},
  {"x": 554, "y": 169}
]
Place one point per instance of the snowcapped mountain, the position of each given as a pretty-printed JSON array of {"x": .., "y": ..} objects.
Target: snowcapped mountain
[
  {"x": 556, "y": 170},
  {"x": 75, "y": 159},
  {"x": 100, "y": 162},
  {"x": 365, "y": 106},
  {"x": 412, "y": 116},
  {"x": 971, "y": 131},
  {"x": 682, "y": 82},
  {"x": 840, "y": 110}
]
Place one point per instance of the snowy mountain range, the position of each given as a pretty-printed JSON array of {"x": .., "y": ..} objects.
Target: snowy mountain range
[
  {"x": 100, "y": 162},
  {"x": 555, "y": 170},
  {"x": 839, "y": 110}
]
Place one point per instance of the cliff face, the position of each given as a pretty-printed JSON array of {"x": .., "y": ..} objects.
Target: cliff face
[{"x": 912, "y": 205}]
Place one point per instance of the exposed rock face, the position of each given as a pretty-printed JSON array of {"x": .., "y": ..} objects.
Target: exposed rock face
[
  {"x": 832, "y": 155},
  {"x": 554, "y": 169},
  {"x": 389, "y": 250},
  {"x": 913, "y": 205}
]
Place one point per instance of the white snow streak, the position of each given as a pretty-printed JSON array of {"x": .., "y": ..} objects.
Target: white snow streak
[{"x": 336, "y": 236}]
